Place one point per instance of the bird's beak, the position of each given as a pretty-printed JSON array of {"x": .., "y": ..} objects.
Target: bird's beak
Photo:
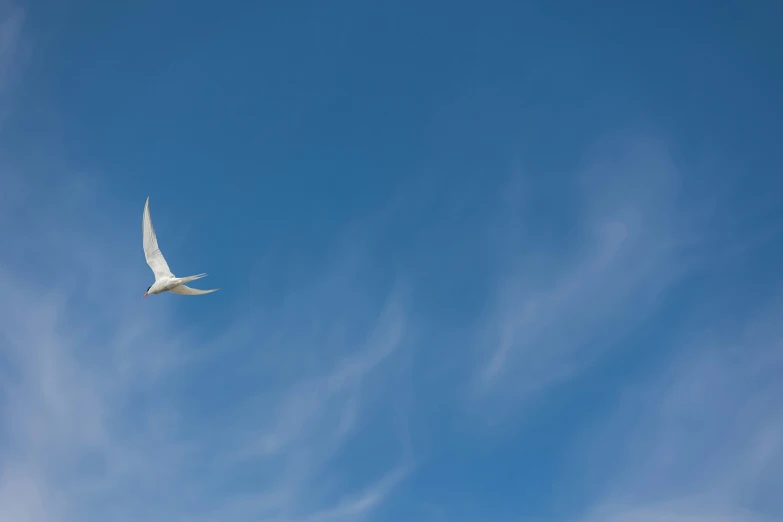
[{"x": 145, "y": 295}]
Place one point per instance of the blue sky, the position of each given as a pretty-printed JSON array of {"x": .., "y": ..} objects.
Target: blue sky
[{"x": 478, "y": 262}]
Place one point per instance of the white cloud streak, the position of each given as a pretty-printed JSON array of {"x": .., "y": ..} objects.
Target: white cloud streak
[
  {"x": 703, "y": 440},
  {"x": 90, "y": 428},
  {"x": 557, "y": 311}
]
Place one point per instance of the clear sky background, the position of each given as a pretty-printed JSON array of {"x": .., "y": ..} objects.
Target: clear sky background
[{"x": 479, "y": 262}]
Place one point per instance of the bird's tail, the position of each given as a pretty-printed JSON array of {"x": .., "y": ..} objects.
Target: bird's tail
[{"x": 183, "y": 280}]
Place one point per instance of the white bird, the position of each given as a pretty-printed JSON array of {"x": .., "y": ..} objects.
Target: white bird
[{"x": 165, "y": 281}]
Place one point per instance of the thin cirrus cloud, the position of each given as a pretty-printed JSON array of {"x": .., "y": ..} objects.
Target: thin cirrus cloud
[
  {"x": 700, "y": 442},
  {"x": 91, "y": 425},
  {"x": 556, "y": 312},
  {"x": 695, "y": 439}
]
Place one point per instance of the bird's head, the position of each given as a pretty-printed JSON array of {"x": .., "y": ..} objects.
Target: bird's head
[{"x": 147, "y": 292}]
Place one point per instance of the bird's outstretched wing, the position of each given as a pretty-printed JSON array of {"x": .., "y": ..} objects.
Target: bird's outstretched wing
[
  {"x": 186, "y": 290},
  {"x": 151, "y": 251}
]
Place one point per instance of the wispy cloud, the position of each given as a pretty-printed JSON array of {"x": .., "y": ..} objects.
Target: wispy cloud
[
  {"x": 304, "y": 427},
  {"x": 92, "y": 426},
  {"x": 703, "y": 440},
  {"x": 562, "y": 304},
  {"x": 70, "y": 428}
]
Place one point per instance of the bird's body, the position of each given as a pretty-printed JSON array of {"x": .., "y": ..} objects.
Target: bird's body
[
  {"x": 169, "y": 284},
  {"x": 165, "y": 280}
]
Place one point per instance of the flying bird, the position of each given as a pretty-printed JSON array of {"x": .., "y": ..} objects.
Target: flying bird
[{"x": 165, "y": 281}]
